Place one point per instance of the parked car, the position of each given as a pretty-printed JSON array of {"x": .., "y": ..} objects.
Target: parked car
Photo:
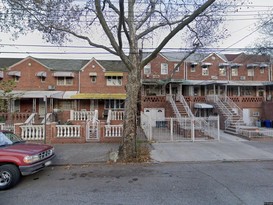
[{"x": 19, "y": 158}]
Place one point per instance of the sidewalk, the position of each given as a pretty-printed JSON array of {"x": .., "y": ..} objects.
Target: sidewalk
[{"x": 229, "y": 148}]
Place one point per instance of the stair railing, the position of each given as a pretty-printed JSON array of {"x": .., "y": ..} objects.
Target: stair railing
[{"x": 215, "y": 99}]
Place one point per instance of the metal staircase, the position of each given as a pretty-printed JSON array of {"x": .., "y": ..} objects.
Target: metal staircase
[{"x": 232, "y": 114}]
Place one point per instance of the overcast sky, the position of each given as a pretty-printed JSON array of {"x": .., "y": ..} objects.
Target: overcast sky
[{"x": 241, "y": 26}]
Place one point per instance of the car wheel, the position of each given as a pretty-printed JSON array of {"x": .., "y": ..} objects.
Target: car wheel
[{"x": 9, "y": 176}]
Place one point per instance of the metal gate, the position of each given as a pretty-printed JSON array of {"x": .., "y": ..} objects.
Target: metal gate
[
  {"x": 183, "y": 129},
  {"x": 93, "y": 130}
]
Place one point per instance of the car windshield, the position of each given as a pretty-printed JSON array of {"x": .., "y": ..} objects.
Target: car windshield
[{"x": 8, "y": 138}]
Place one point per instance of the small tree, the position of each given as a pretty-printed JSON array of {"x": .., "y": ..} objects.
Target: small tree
[{"x": 120, "y": 28}]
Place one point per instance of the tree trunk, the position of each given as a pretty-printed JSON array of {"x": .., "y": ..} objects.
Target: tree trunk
[{"x": 128, "y": 149}]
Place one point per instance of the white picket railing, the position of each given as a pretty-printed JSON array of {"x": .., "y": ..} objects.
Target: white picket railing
[
  {"x": 32, "y": 132},
  {"x": 81, "y": 115},
  {"x": 113, "y": 130},
  {"x": 68, "y": 131}
]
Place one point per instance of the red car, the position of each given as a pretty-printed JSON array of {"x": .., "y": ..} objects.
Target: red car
[{"x": 19, "y": 158}]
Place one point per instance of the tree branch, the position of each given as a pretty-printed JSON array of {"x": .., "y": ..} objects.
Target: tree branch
[{"x": 179, "y": 27}]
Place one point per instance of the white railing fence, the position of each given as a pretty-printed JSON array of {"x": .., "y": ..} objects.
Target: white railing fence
[
  {"x": 82, "y": 115},
  {"x": 32, "y": 132},
  {"x": 258, "y": 133},
  {"x": 181, "y": 129},
  {"x": 68, "y": 131},
  {"x": 8, "y": 127},
  {"x": 113, "y": 130}
]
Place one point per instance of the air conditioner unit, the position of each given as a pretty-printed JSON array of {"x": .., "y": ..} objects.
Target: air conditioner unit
[
  {"x": 256, "y": 114},
  {"x": 51, "y": 87},
  {"x": 242, "y": 77}
]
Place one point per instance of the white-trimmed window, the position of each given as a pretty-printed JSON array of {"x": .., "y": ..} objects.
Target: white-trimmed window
[
  {"x": 250, "y": 72},
  {"x": 222, "y": 71},
  {"x": 164, "y": 68},
  {"x": 262, "y": 70},
  {"x": 176, "y": 69},
  {"x": 93, "y": 78},
  {"x": 114, "y": 80},
  {"x": 234, "y": 72},
  {"x": 64, "y": 81},
  {"x": 193, "y": 68},
  {"x": 205, "y": 70},
  {"x": 147, "y": 69}
]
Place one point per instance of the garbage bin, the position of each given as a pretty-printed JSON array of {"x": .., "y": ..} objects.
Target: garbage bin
[{"x": 268, "y": 123}]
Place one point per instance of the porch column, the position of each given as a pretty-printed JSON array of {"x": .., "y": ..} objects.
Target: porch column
[
  {"x": 170, "y": 89},
  {"x": 214, "y": 90},
  {"x": 34, "y": 105},
  {"x": 180, "y": 89},
  {"x": 239, "y": 91}
]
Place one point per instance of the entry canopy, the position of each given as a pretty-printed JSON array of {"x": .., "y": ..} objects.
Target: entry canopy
[{"x": 203, "y": 106}]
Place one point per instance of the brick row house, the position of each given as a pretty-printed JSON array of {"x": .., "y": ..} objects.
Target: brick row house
[{"x": 82, "y": 91}]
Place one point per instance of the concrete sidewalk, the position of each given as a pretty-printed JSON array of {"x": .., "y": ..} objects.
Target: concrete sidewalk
[{"x": 229, "y": 148}]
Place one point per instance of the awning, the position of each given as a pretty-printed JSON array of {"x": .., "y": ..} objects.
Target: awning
[
  {"x": 203, "y": 106},
  {"x": 34, "y": 94},
  {"x": 263, "y": 65},
  {"x": 63, "y": 74},
  {"x": 206, "y": 64},
  {"x": 252, "y": 65},
  {"x": 64, "y": 94},
  {"x": 41, "y": 74},
  {"x": 235, "y": 65},
  {"x": 222, "y": 65},
  {"x": 113, "y": 74},
  {"x": 1, "y": 74},
  {"x": 99, "y": 96},
  {"x": 92, "y": 74},
  {"x": 15, "y": 73}
]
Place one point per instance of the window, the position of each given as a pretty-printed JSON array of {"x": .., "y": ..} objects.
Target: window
[
  {"x": 66, "y": 105},
  {"x": 234, "y": 72},
  {"x": 223, "y": 71},
  {"x": 114, "y": 104},
  {"x": 193, "y": 66},
  {"x": 64, "y": 81},
  {"x": 147, "y": 69},
  {"x": 16, "y": 78},
  {"x": 114, "y": 81},
  {"x": 177, "y": 69},
  {"x": 262, "y": 70},
  {"x": 93, "y": 79},
  {"x": 250, "y": 72},
  {"x": 43, "y": 78},
  {"x": 205, "y": 70},
  {"x": 164, "y": 68}
]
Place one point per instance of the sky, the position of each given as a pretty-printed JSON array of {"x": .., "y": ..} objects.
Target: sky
[{"x": 242, "y": 27}]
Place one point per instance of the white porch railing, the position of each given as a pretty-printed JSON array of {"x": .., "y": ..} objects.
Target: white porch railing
[
  {"x": 4, "y": 126},
  {"x": 32, "y": 132},
  {"x": 68, "y": 131},
  {"x": 113, "y": 130},
  {"x": 258, "y": 133},
  {"x": 81, "y": 115}
]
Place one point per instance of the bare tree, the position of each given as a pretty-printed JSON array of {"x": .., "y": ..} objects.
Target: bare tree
[{"x": 122, "y": 27}]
